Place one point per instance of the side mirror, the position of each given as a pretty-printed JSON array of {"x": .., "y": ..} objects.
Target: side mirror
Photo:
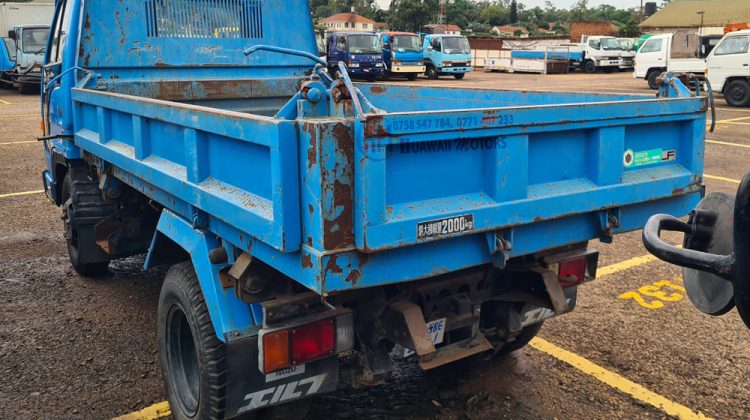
[
  {"x": 12, "y": 34},
  {"x": 430, "y": 48}
]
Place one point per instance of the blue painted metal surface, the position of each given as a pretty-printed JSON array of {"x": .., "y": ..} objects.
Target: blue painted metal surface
[
  {"x": 333, "y": 183},
  {"x": 552, "y": 55}
]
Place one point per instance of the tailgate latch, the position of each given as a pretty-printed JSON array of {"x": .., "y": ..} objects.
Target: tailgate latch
[{"x": 500, "y": 243}]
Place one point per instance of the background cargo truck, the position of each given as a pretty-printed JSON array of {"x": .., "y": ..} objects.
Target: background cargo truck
[
  {"x": 446, "y": 55},
  {"x": 402, "y": 54},
  {"x": 312, "y": 225},
  {"x": 24, "y": 28}
]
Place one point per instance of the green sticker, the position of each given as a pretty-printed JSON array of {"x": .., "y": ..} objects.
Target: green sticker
[{"x": 648, "y": 157}]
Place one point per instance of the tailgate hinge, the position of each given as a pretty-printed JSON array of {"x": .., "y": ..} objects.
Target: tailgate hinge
[
  {"x": 500, "y": 243},
  {"x": 608, "y": 219}
]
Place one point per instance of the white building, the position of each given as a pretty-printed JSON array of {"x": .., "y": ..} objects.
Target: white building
[{"x": 348, "y": 22}]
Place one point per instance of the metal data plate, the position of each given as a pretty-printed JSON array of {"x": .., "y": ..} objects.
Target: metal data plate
[{"x": 709, "y": 293}]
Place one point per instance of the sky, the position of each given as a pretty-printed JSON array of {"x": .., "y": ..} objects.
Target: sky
[{"x": 560, "y": 4}]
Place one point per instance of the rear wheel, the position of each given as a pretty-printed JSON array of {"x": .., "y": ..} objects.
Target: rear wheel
[
  {"x": 459, "y": 76},
  {"x": 737, "y": 93},
  {"x": 432, "y": 73},
  {"x": 82, "y": 207},
  {"x": 589, "y": 67},
  {"x": 523, "y": 338},
  {"x": 651, "y": 79},
  {"x": 27, "y": 88},
  {"x": 193, "y": 359}
]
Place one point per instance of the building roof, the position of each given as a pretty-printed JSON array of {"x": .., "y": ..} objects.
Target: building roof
[
  {"x": 444, "y": 26},
  {"x": 346, "y": 17},
  {"x": 511, "y": 29},
  {"x": 684, "y": 13}
]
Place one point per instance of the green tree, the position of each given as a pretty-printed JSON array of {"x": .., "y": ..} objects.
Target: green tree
[
  {"x": 513, "y": 11},
  {"x": 413, "y": 15},
  {"x": 494, "y": 15}
]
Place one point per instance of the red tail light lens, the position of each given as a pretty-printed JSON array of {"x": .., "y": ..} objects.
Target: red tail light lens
[
  {"x": 572, "y": 272},
  {"x": 313, "y": 341}
]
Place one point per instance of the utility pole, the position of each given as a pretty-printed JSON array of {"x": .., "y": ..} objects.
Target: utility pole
[{"x": 441, "y": 11}]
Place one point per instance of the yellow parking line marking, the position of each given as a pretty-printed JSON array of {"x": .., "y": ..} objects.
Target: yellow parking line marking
[
  {"x": 17, "y": 142},
  {"x": 732, "y": 109},
  {"x": 616, "y": 381},
  {"x": 19, "y": 116},
  {"x": 4, "y": 102},
  {"x": 624, "y": 265},
  {"x": 732, "y": 120},
  {"x": 721, "y": 178},
  {"x": 156, "y": 411},
  {"x": 726, "y": 143},
  {"x": 18, "y": 194}
]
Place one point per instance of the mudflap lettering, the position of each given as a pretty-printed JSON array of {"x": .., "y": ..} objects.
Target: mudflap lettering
[{"x": 247, "y": 389}]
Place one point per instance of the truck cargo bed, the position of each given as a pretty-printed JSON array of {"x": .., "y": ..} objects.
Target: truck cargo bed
[{"x": 429, "y": 182}]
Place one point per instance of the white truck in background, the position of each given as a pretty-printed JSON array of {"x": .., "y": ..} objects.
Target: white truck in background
[
  {"x": 728, "y": 68},
  {"x": 680, "y": 52},
  {"x": 24, "y": 28},
  {"x": 605, "y": 53}
]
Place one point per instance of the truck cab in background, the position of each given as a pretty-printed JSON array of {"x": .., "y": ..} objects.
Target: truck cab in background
[
  {"x": 681, "y": 52},
  {"x": 26, "y": 45},
  {"x": 402, "y": 54},
  {"x": 445, "y": 55},
  {"x": 360, "y": 51},
  {"x": 603, "y": 52},
  {"x": 728, "y": 68}
]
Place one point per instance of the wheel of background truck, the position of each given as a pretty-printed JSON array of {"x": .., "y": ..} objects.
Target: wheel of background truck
[
  {"x": 28, "y": 89},
  {"x": 432, "y": 73},
  {"x": 609, "y": 69},
  {"x": 193, "y": 359},
  {"x": 651, "y": 79},
  {"x": 411, "y": 77},
  {"x": 589, "y": 67},
  {"x": 81, "y": 197},
  {"x": 523, "y": 338},
  {"x": 459, "y": 76},
  {"x": 737, "y": 93}
]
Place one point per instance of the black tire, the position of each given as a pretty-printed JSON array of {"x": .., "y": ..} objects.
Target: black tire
[
  {"x": 523, "y": 338},
  {"x": 193, "y": 359},
  {"x": 737, "y": 93},
  {"x": 609, "y": 69},
  {"x": 81, "y": 199},
  {"x": 28, "y": 89},
  {"x": 589, "y": 67},
  {"x": 432, "y": 73},
  {"x": 651, "y": 77},
  {"x": 459, "y": 76},
  {"x": 411, "y": 77}
]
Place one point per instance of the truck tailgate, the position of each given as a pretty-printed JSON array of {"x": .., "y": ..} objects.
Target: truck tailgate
[{"x": 427, "y": 175}]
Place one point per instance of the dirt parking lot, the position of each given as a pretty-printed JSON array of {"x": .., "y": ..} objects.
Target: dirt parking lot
[{"x": 72, "y": 347}]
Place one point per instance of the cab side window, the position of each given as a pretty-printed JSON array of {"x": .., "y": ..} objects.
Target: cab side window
[
  {"x": 10, "y": 45},
  {"x": 595, "y": 44},
  {"x": 436, "y": 44},
  {"x": 733, "y": 45},
  {"x": 652, "y": 45},
  {"x": 59, "y": 36},
  {"x": 341, "y": 43}
]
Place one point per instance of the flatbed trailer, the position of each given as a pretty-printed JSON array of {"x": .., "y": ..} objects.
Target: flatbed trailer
[{"x": 312, "y": 224}]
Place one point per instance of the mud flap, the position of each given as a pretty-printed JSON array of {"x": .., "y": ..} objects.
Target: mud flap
[{"x": 249, "y": 389}]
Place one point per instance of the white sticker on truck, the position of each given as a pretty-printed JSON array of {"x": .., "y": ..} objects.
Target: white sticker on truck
[{"x": 436, "y": 329}]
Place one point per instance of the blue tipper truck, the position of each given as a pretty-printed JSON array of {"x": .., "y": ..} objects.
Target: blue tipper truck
[{"x": 313, "y": 225}]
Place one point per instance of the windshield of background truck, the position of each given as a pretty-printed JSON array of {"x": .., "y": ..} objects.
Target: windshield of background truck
[
  {"x": 456, "y": 45},
  {"x": 610, "y": 44},
  {"x": 364, "y": 44},
  {"x": 406, "y": 43},
  {"x": 626, "y": 44},
  {"x": 35, "y": 40}
]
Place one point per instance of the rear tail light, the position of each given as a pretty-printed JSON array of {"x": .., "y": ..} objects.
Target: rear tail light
[
  {"x": 312, "y": 341},
  {"x": 284, "y": 348},
  {"x": 572, "y": 272}
]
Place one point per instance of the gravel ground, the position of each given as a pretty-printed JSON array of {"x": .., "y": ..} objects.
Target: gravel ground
[{"x": 72, "y": 347}]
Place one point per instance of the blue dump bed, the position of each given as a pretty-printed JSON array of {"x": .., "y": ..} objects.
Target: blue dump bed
[
  {"x": 428, "y": 181},
  {"x": 550, "y": 55}
]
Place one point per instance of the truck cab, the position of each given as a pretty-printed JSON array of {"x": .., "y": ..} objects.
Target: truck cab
[
  {"x": 728, "y": 68},
  {"x": 402, "y": 54},
  {"x": 27, "y": 45},
  {"x": 603, "y": 52},
  {"x": 446, "y": 55},
  {"x": 360, "y": 51}
]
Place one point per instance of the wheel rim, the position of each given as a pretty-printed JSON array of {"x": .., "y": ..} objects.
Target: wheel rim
[
  {"x": 182, "y": 359},
  {"x": 738, "y": 93}
]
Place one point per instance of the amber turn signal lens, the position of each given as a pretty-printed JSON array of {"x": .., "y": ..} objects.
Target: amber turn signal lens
[{"x": 276, "y": 351}]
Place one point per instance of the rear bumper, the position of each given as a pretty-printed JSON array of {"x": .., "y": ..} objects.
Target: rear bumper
[
  {"x": 408, "y": 69},
  {"x": 466, "y": 69}
]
